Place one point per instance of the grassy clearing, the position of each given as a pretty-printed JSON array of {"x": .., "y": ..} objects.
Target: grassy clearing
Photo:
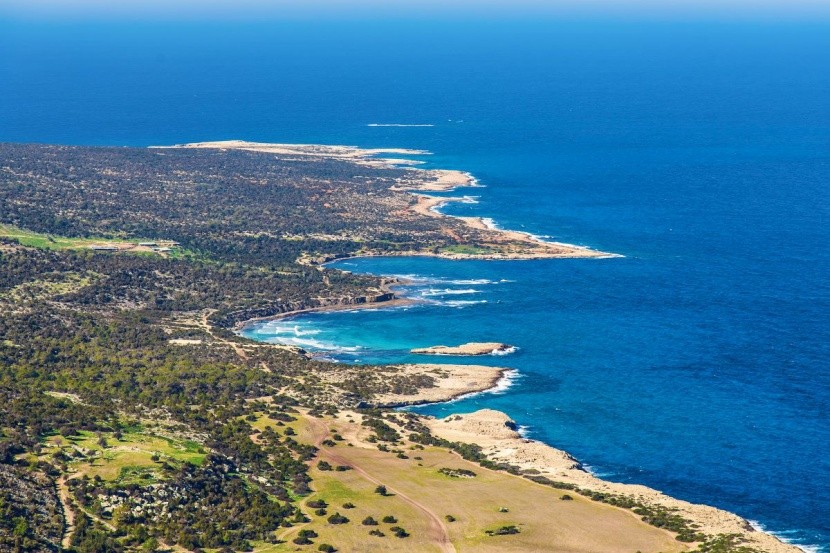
[
  {"x": 467, "y": 250},
  {"x": 128, "y": 460},
  {"x": 52, "y": 242},
  {"x": 56, "y": 285}
]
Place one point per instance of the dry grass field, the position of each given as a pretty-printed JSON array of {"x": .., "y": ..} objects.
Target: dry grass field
[{"x": 449, "y": 513}]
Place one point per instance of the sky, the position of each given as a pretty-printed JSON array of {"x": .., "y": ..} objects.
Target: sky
[{"x": 807, "y": 10}]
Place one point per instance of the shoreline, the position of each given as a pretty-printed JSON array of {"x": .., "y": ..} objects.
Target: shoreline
[
  {"x": 386, "y": 304},
  {"x": 502, "y": 441},
  {"x": 505, "y": 443},
  {"x": 504, "y": 244},
  {"x": 498, "y": 436},
  {"x": 454, "y": 382}
]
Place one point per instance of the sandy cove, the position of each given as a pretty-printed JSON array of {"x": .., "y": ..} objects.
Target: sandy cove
[{"x": 499, "y": 440}]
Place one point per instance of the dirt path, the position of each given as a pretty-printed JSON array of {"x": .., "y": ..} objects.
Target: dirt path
[
  {"x": 205, "y": 325},
  {"x": 437, "y": 529},
  {"x": 68, "y": 513}
]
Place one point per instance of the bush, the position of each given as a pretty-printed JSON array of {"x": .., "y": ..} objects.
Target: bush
[
  {"x": 566, "y": 497},
  {"x": 399, "y": 532},
  {"x": 457, "y": 473},
  {"x": 503, "y": 531},
  {"x": 377, "y": 533},
  {"x": 348, "y": 505},
  {"x": 326, "y": 547},
  {"x": 389, "y": 519},
  {"x": 450, "y": 518},
  {"x": 381, "y": 490},
  {"x": 337, "y": 518},
  {"x": 369, "y": 521}
]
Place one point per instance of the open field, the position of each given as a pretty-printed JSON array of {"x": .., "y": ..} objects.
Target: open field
[
  {"x": 53, "y": 242},
  {"x": 421, "y": 497}
]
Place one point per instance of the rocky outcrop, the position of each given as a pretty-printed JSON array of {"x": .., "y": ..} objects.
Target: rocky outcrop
[
  {"x": 30, "y": 497},
  {"x": 472, "y": 348}
]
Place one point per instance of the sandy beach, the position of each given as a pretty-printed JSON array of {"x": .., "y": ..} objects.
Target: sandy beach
[{"x": 496, "y": 434}]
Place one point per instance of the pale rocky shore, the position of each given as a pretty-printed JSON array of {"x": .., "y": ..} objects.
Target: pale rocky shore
[
  {"x": 500, "y": 441},
  {"x": 450, "y": 382},
  {"x": 505, "y": 244},
  {"x": 470, "y": 348}
]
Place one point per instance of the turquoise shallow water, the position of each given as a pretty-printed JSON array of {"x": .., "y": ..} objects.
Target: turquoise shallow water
[{"x": 697, "y": 364}]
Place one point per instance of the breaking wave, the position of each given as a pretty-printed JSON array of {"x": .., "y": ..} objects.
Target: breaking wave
[{"x": 449, "y": 292}]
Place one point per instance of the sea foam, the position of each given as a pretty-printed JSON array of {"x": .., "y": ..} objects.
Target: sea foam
[{"x": 783, "y": 535}]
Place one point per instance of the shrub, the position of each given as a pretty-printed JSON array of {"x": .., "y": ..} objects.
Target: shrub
[
  {"x": 399, "y": 532},
  {"x": 457, "y": 473},
  {"x": 381, "y": 490},
  {"x": 389, "y": 519},
  {"x": 326, "y": 547},
  {"x": 369, "y": 521},
  {"x": 348, "y": 505},
  {"x": 503, "y": 531},
  {"x": 337, "y": 518},
  {"x": 566, "y": 497}
]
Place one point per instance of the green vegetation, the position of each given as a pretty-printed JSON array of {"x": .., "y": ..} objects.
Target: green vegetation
[
  {"x": 45, "y": 241},
  {"x": 503, "y": 531},
  {"x": 457, "y": 473},
  {"x": 467, "y": 250}
]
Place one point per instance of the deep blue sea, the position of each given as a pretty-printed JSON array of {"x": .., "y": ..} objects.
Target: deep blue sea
[{"x": 696, "y": 364}]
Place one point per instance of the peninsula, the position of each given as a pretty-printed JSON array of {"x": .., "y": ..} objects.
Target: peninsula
[
  {"x": 471, "y": 348},
  {"x": 133, "y": 418}
]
